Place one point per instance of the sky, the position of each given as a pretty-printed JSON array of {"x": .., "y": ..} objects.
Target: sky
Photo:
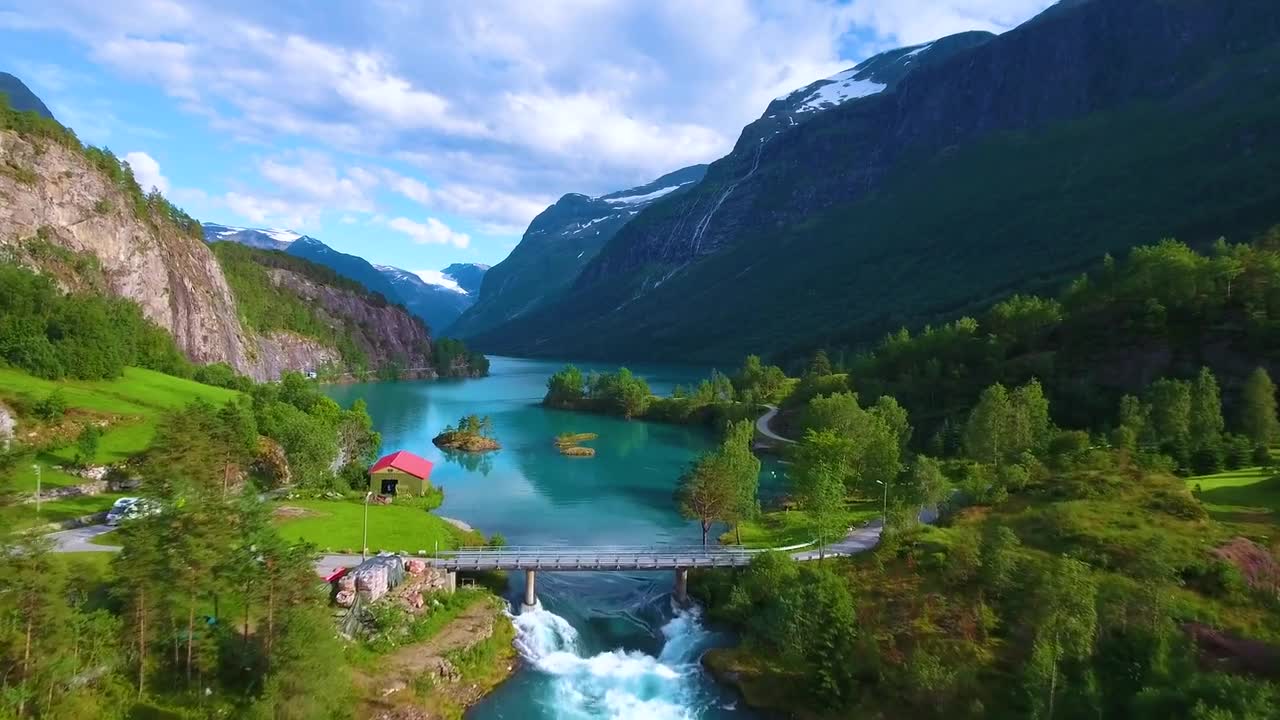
[{"x": 418, "y": 134}]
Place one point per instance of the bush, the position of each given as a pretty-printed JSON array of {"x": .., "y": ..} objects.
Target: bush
[
  {"x": 1237, "y": 451},
  {"x": 52, "y": 407}
]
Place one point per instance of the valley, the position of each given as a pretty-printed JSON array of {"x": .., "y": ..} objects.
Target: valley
[{"x": 803, "y": 360}]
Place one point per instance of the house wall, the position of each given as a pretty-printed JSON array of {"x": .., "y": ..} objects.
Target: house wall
[{"x": 406, "y": 484}]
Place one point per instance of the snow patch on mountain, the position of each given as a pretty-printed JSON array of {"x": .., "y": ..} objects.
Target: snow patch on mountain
[
  {"x": 634, "y": 199},
  {"x": 435, "y": 277},
  {"x": 838, "y": 89}
]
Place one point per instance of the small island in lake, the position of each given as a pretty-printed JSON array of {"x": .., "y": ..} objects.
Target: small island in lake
[
  {"x": 571, "y": 444},
  {"x": 472, "y": 434}
]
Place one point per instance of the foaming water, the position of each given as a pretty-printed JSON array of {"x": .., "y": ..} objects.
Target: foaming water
[{"x": 616, "y": 684}]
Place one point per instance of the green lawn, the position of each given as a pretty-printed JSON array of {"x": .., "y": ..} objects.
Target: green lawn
[
  {"x": 20, "y": 517},
  {"x": 141, "y": 395},
  {"x": 784, "y": 528},
  {"x": 337, "y": 526},
  {"x": 1245, "y": 495},
  {"x": 24, "y": 473}
]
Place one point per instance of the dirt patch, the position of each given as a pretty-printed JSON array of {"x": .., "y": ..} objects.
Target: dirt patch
[
  {"x": 1256, "y": 563},
  {"x": 292, "y": 512},
  {"x": 390, "y": 690},
  {"x": 1228, "y": 653}
]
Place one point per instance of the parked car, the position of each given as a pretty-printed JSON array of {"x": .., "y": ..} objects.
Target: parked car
[{"x": 130, "y": 508}]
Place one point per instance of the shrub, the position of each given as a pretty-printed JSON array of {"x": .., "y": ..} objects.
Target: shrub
[{"x": 52, "y": 407}]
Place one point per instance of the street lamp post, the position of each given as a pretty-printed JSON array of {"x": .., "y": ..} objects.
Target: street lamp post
[
  {"x": 364, "y": 543},
  {"x": 884, "y": 513},
  {"x": 37, "y": 469}
]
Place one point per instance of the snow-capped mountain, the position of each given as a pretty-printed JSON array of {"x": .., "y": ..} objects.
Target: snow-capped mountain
[
  {"x": 433, "y": 295},
  {"x": 467, "y": 276},
  {"x": 560, "y": 241},
  {"x": 872, "y": 76},
  {"x": 265, "y": 239},
  {"x": 437, "y": 297}
]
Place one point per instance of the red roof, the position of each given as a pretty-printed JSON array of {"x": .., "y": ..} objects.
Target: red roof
[{"x": 404, "y": 461}]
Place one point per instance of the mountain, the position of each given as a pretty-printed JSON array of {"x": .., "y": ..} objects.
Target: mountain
[
  {"x": 439, "y": 305},
  {"x": 255, "y": 238},
  {"x": 468, "y": 276},
  {"x": 73, "y": 213},
  {"x": 985, "y": 165},
  {"x": 558, "y": 244},
  {"x": 20, "y": 96},
  {"x": 438, "y": 302},
  {"x": 352, "y": 267}
]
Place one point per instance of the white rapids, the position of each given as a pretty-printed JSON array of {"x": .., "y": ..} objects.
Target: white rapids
[{"x": 617, "y": 684}]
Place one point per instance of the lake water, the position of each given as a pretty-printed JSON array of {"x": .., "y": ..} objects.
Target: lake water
[{"x": 605, "y": 645}]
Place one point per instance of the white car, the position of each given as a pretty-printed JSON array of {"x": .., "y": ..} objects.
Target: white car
[{"x": 129, "y": 508}]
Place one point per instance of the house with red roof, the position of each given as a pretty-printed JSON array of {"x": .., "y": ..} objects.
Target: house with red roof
[{"x": 400, "y": 472}]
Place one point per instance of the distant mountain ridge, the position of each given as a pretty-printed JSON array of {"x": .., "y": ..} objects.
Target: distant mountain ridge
[
  {"x": 985, "y": 165},
  {"x": 20, "y": 96},
  {"x": 434, "y": 302},
  {"x": 558, "y": 244}
]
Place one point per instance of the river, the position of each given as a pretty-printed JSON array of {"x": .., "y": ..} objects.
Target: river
[{"x": 604, "y": 645}]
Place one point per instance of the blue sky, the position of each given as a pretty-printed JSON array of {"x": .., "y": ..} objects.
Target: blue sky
[{"x": 418, "y": 134}]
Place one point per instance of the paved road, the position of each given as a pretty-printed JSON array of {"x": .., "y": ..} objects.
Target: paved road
[
  {"x": 762, "y": 425},
  {"x": 858, "y": 540},
  {"x": 77, "y": 539}
]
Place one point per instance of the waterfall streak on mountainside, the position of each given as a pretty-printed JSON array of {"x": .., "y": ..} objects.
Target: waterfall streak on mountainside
[{"x": 701, "y": 228}]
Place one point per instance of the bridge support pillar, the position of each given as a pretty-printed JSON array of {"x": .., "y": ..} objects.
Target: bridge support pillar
[
  {"x": 451, "y": 581},
  {"x": 681, "y": 591},
  {"x": 530, "y": 590}
]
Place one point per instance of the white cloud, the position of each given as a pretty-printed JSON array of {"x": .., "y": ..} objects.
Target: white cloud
[
  {"x": 147, "y": 171},
  {"x": 504, "y": 104},
  {"x": 432, "y": 232},
  {"x": 268, "y": 210}
]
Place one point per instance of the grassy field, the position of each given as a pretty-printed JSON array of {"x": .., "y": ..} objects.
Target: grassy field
[
  {"x": 784, "y": 528},
  {"x": 140, "y": 396},
  {"x": 20, "y": 517},
  {"x": 1248, "y": 498},
  {"x": 337, "y": 526}
]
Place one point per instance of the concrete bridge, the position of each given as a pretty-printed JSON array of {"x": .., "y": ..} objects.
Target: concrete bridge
[{"x": 532, "y": 558}]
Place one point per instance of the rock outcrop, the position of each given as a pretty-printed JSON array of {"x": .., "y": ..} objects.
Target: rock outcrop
[
  {"x": 61, "y": 215},
  {"x": 384, "y": 333},
  {"x": 173, "y": 277}
]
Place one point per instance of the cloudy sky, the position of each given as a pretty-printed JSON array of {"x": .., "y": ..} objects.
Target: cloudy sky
[{"x": 422, "y": 133}]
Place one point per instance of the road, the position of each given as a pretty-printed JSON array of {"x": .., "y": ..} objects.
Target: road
[
  {"x": 77, "y": 539},
  {"x": 762, "y": 425}
]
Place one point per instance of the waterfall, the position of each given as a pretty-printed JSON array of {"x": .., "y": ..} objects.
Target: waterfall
[
  {"x": 701, "y": 228},
  {"x": 616, "y": 684}
]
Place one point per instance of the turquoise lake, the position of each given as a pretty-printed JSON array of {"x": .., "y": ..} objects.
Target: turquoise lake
[{"x": 605, "y": 645}]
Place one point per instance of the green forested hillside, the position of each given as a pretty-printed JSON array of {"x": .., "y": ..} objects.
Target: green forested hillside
[{"x": 946, "y": 229}]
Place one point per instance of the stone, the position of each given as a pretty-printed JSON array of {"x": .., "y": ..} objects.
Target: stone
[
  {"x": 415, "y": 566},
  {"x": 345, "y": 598},
  {"x": 446, "y": 671}
]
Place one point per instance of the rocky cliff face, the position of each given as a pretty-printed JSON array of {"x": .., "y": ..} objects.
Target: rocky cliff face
[
  {"x": 903, "y": 193},
  {"x": 52, "y": 200},
  {"x": 384, "y": 333},
  {"x": 54, "y": 193}
]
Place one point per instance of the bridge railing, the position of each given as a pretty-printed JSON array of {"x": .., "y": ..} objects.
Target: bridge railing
[{"x": 598, "y": 550}]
